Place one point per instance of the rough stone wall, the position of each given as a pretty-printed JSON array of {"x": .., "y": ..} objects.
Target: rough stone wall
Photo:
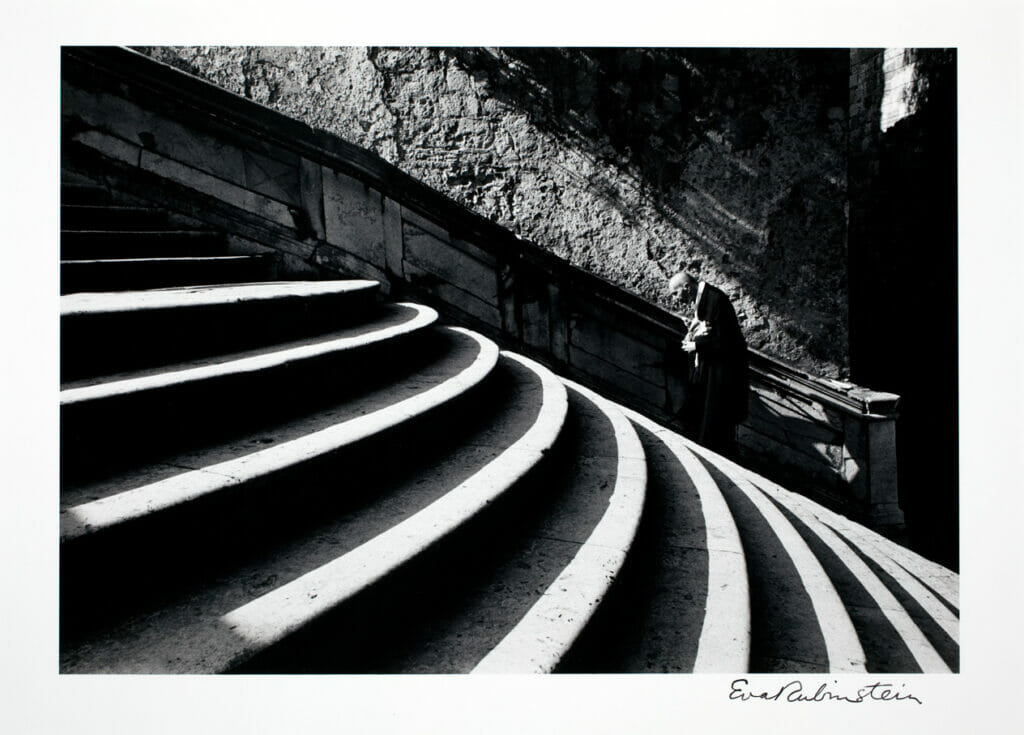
[{"x": 631, "y": 163}]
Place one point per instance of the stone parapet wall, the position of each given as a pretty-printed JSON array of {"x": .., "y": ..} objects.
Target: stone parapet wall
[
  {"x": 630, "y": 163},
  {"x": 842, "y": 453},
  {"x": 332, "y": 208}
]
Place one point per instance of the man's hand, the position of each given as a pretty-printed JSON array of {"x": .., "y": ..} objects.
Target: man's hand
[
  {"x": 688, "y": 345},
  {"x": 702, "y": 329}
]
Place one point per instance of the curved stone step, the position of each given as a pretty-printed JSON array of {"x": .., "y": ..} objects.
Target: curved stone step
[
  {"x": 136, "y": 494},
  {"x": 931, "y": 614},
  {"x": 937, "y": 608},
  {"x": 137, "y": 412},
  {"x": 540, "y": 640},
  {"x": 132, "y": 274},
  {"x": 843, "y": 651},
  {"x": 942, "y": 582},
  {"x": 865, "y": 608},
  {"x": 883, "y": 553},
  {"x": 110, "y": 244},
  {"x": 402, "y": 318},
  {"x": 525, "y": 542},
  {"x": 724, "y": 638},
  {"x": 292, "y": 587},
  {"x": 259, "y": 483},
  {"x": 110, "y": 217},
  {"x": 103, "y": 332}
]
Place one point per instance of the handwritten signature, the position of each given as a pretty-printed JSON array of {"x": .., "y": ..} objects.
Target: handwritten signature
[{"x": 794, "y": 691}]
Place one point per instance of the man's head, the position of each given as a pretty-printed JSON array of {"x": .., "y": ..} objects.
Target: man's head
[{"x": 683, "y": 287}]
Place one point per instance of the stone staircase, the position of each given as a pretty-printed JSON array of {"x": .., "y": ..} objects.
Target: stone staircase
[{"x": 267, "y": 475}]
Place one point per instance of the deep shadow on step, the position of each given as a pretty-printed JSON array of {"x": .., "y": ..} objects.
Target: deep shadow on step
[
  {"x": 100, "y": 437},
  {"x": 785, "y": 634},
  {"x": 151, "y": 562},
  {"x": 443, "y": 612},
  {"x": 947, "y": 648},
  {"x": 651, "y": 620},
  {"x": 83, "y": 216},
  {"x": 132, "y": 275},
  {"x": 94, "y": 244},
  {"x": 884, "y": 648},
  {"x": 99, "y": 343}
]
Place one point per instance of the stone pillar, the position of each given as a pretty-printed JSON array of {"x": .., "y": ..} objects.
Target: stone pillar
[{"x": 870, "y": 467}]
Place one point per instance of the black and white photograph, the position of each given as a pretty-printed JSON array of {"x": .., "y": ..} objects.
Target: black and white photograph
[{"x": 588, "y": 383}]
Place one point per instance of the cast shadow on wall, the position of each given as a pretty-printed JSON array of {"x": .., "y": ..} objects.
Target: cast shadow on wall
[{"x": 740, "y": 152}]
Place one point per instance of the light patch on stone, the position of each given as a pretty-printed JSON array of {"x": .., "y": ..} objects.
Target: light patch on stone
[{"x": 898, "y": 101}]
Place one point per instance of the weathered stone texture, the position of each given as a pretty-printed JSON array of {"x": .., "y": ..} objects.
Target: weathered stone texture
[
  {"x": 630, "y": 163},
  {"x": 354, "y": 217},
  {"x": 450, "y": 265}
]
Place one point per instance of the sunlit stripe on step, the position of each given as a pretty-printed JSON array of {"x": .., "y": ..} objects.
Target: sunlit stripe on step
[
  {"x": 944, "y": 581},
  {"x": 288, "y": 608},
  {"x": 934, "y": 607},
  {"x": 423, "y": 317},
  {"x": 543, "y": 636},
  {"x": 122, "y": 507},
  {"x": 724, "y": 644},
  {"x": 868, "y": 543},
  {"x": 842, "y": 644},
  {"x": 917, "y": 643},
  {"x": 80, "y": 304}
]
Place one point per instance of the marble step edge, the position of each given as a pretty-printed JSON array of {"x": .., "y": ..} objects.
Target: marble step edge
[
  {"x": 97, "y": 515},
  {"x": 238, "y": 635},
  {"x": 246, "y": 362},
  {"x": 543, "y": 636}
]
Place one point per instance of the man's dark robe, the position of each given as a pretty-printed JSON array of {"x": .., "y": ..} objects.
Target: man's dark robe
[{"x": 717, "y": 393}]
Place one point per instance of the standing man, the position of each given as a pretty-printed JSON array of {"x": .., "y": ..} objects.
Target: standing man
[{"x": 716, "y": 396}]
